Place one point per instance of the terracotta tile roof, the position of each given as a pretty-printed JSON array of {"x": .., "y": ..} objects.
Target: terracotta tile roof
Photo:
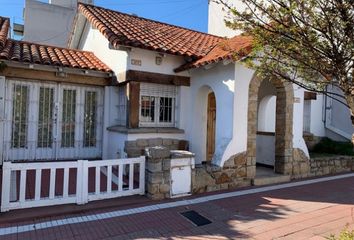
[
  {"x": 27, "y": 52},
  {"x": 129, "y": 30},
  {"x": 4, "y": 30},
  {"x": 234, "y": 48}
]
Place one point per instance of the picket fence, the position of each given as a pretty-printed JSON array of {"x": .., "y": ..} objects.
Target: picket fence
[{"x": 119, "y": 173}]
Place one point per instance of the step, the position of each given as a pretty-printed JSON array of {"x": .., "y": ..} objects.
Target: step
[{"x": 260, "y": 181}]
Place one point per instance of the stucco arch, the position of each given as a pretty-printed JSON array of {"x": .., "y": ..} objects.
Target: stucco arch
[
  {"x": 283, "y": 126},
  {"x": 200, "y": 119}
]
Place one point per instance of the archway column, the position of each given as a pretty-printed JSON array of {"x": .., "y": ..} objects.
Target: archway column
[{"x": 283, "y": 129}]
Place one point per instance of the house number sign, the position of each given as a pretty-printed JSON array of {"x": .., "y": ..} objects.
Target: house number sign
[{"x": 136, "y": 62}]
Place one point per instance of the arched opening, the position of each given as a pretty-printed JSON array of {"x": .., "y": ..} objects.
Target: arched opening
[
  {"x": 204, "y": 127},
  {"x": 270, "y": 118},
  {"x": 266, "y": 121}
]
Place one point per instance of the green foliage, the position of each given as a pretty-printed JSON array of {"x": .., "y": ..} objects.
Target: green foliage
[
  {"x": 309, "y": 43},
  {"x": 329, "y": 146},
  {"x": 344, "y": 235}
]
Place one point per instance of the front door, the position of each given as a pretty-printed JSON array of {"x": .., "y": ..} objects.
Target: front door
[
  {"x": 52, "y": 121},
  {"x": 211, "y": 124}
]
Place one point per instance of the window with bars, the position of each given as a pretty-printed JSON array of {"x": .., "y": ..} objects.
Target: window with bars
[
  {"x": 45, "y": 117},
  {"x": 90, "y": 116},
  {"x": 157, "y": 105},
  {"x": 68, "y": 118},
  {"x": 122, "y": 106},
  {"x": 20, "y": 116}
]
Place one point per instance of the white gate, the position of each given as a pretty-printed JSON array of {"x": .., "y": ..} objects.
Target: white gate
[
  {"x": 52, "y": 121},
  {"x": 54, "y": 183}
]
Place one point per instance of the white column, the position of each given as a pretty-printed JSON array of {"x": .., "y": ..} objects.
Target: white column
[{"x": 298, "y": 118}]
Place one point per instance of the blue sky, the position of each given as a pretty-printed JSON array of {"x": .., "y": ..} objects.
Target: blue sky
[{"x": 187, "y": 13}]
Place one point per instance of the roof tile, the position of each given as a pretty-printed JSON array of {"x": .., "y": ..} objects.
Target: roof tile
[
  {"x": 234, "y": 48},
  {"x": 124, "y": 29},
  {"x": 21, "y": 51}
]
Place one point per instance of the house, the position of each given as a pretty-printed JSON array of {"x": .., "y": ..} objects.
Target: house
[
  {"x": 177, "y": 84},
  {"x": 51, "y": 101},
  {"x": 126, "y": 83}
]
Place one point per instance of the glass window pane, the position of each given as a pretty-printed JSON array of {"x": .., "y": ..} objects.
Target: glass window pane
[
  {"x": 166, "y": 108},
  {"x": 90, "y": 116},
  {"x": 45, "y": 118},
  {"x": 147, "y": 109},
  {"x": 20, "y": 116},
  {"x": 68, "y": 118}
]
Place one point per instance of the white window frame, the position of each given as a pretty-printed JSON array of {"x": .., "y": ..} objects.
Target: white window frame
[
  {"x": 158, "y": 91},
  {"x": 32, "y": 151}
]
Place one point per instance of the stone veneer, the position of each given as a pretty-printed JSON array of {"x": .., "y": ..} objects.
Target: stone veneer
[
  {"x": 320, "y": 166},
  {"x": 235, "y": 173},
  {"x": 137, "y": 148},
  {"x": 157, "y": 174},
  {"x": 283, "y": 128},
  {"x": 238, "y": 171}
]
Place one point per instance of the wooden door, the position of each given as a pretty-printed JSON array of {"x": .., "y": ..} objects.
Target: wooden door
[{"x": 211, "y": 125}]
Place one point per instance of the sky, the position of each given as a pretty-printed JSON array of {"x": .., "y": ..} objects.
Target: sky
[{"x": 191, "y": 14}]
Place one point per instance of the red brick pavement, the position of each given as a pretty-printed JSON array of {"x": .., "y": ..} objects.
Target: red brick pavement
[{"x": 307, "y": 212}]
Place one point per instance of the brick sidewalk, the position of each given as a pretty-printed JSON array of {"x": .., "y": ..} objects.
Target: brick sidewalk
[{"x": 305, "y": 212}]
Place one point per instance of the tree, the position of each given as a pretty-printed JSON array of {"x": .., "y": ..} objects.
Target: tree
[{"x": 307, "y": 42}]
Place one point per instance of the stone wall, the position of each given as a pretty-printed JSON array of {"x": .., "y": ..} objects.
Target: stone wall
[
  {"x": 137, "y": 148},
  {"x": 235, "y": 173},
  {"x": 320, "y": 166},
  {"x": 300, "y": 164},
  {"x": 157, "y": 174}
]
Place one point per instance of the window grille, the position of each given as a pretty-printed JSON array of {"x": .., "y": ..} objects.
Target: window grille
[
  {"x": 122, "y": 106},
  {"x": 68, "y": 118},
  {"x": 45, "y": 117},
  {"x": 90, "y": 116},
  {"x": 20, "y": 116},
  {"x": 157, "y": 105}
]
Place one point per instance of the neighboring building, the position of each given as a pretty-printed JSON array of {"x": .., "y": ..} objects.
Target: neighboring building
[
  {"x": 49, "y": 23},
  {"x": 51, "y": 101}
]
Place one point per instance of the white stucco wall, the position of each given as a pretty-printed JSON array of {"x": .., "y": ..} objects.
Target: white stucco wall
[
  {"x": 338, "y": 117},
  {"x": 95, "y": 42},
  {"x": 317, "y": 116},
  {"x": 238, "y": 143},
  {"x": 148, "y": 62},
  {"x": 217, "y": 14},
  {"x": 298, "y": 140},
  {"x": 265, "y": 150},
  {"x": 47, "y": 23},
  {"x": 220, "y": 80},
  {"x": 68, "y": 3}
]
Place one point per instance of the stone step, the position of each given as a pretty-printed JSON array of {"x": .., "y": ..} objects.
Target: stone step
[{"x": 260, "y": 181}]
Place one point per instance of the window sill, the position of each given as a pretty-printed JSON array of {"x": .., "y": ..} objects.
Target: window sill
[{"x": 123, "y": 129}]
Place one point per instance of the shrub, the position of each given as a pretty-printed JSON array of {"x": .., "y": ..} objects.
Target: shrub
[
  {"x": 344, "y": 235},
  {"x": 329, "y": 146}
]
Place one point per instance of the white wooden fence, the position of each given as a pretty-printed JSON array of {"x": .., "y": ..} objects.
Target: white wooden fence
[{"x": 81, "y": 195}]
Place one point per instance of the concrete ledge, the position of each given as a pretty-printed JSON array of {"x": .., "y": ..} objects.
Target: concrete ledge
[{"x": 122, "y": 129}]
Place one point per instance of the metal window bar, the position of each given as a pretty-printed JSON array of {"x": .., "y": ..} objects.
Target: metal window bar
[
  {"x": 122, "y": 106},
  {"x": 90, "y": 119},
  {"x": 45, "y": 118},
  {"x": 19, "y": 116},
  {"x": 68, "y": 118},
  {"x": 161, "y": 111}
]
